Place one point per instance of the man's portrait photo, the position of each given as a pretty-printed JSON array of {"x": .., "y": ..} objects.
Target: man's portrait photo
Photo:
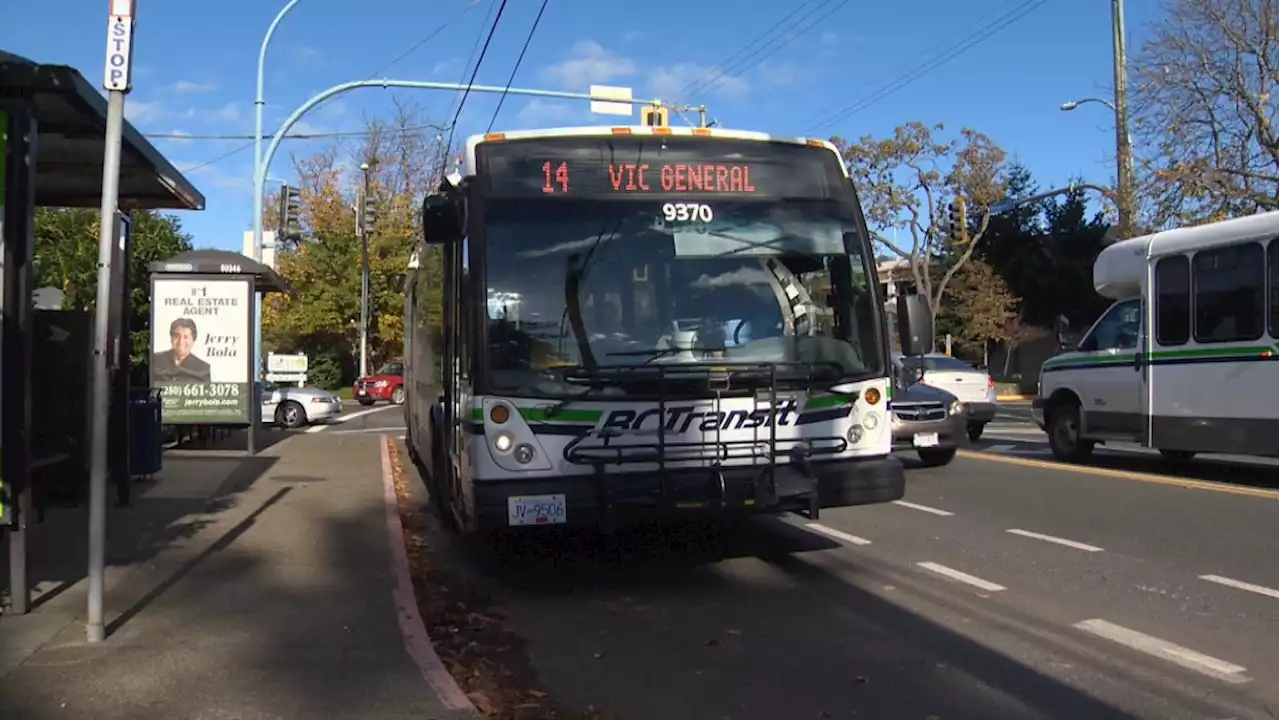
[{"x": 177, "y": 363}]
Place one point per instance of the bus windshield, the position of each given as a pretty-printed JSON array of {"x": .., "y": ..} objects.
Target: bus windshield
[{"x": 628, "y": 282}]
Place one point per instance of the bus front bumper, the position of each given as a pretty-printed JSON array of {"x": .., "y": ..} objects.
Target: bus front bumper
[{"x": 618, "y": 497}]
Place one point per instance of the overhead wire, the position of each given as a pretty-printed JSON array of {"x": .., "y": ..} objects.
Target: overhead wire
[
  {"x": 300, "y": 136},
  {"x": 819, "y": 14},
  {"x": 516, "y": 67},
  {"x": 475, "y": 70},
  {"x": 1016, "y": 12},
  {"x": 442, "y": 157},
  {"x": 422, "y": 41},
  {"x": 713, "y": 72}
]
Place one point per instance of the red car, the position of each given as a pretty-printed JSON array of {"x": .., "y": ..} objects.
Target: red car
[{"x": 385, "y": 384}]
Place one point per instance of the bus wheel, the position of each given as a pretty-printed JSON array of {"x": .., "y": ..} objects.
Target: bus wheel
[{"x": 1064, "y": 434}]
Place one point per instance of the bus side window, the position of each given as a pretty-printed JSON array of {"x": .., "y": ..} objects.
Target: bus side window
[
  {"x": 1173, "y": 301},
  {"x": 1230, "y": 287},
  {"x": 1272, "y": 281}
]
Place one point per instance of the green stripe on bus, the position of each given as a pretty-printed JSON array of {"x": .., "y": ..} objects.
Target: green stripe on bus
[
  {"x": 1188, "y": 354},
  {"x": 824, "y": 402}
]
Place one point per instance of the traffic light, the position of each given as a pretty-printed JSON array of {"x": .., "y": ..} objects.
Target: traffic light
[
  {"x": 367, "y": 215},
  {"x": 653, "y": 116},
  {"x": 957, "y": 223},
  {"x": 290, "y": 214}
]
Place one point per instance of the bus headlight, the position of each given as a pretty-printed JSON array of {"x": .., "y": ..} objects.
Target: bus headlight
[
  {"x": 854, "y": 434},
  {"x": 871, "y": 421},
  {"x": 524, "y": 453},
  {"x": 502, "y": 442}
]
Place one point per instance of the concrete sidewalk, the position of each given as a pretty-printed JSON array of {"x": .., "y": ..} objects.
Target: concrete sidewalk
[{"x": 270, "y": 597}]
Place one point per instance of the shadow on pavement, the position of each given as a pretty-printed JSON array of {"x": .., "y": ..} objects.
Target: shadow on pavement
[
  {"x": 58, "y": 547},
  {"x": 288, "y": 614},
  {"x": 225, "y": 439},
  {"x": 1201, "y": 468},
  {"x": 699, "y": 622}
]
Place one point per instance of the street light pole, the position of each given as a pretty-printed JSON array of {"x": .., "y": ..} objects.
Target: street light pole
[
  {"x": 259, "y": 103},
  {"x": 1124, "y": 165},
  {"x": 1124, "y": 149},
  {"x": 362, "y": 232}
]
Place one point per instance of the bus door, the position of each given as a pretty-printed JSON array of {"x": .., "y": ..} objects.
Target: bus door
[{"x": 1111, "y": 382}]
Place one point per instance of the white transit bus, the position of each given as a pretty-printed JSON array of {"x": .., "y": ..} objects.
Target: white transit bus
[
  {"x": 607, "y": 325},
  {"x": 1185, "y": 360}
]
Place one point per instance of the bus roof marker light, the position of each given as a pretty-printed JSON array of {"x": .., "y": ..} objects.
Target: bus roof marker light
[{"x": 495, "y": 137}]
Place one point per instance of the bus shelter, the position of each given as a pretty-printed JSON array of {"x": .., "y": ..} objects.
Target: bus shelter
[{"x": 52, "y": 128}]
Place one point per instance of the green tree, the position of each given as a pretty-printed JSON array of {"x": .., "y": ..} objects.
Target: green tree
[
  {"x": 66, "y": 257},
  {"x": 981, "y": 304}
]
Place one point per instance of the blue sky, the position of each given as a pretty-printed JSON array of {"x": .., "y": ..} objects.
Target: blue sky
[{"x": 195, "y": 67}]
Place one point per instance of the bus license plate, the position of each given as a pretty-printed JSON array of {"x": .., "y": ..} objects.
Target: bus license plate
[
  {"x": 925, "y": 440},
  {"x": 536, "y": 510}
]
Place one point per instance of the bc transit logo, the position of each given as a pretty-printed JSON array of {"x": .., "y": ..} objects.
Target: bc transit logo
[{"x": 682, "y": 418}]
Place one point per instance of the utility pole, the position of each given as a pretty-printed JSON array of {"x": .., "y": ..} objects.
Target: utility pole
[
  {"x": 117, "y": 83},
  {"x": 364, "y": 228},
  {"x": 1124, "y": 148}
]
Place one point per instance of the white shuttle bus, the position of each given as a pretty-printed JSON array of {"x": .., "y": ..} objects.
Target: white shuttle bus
[
  {"x": 1185, "y": 360},
  {"x": 611, "y": 324}
]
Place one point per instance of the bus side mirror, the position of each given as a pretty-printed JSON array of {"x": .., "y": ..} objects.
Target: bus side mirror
[
  {"x": 915, "y": 324},
  {"x": 441, "y": 220},
  {"x": 1063, "y": 330}
]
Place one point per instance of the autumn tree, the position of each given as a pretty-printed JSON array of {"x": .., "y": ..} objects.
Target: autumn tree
[
  {"x": 321, "y": 317},
  {"x": 906, "y": 183},
  {"x": 1204, "y": 86}
]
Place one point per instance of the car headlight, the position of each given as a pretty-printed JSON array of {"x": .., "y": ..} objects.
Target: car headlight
[{"x": 956, "y": 408}]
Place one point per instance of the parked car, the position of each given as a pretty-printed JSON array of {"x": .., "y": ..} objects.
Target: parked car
[
  {"x": 972, "y": 386},
  {"x": 293, "y": 407},
  {"x": 385, "y": 384},
  {"x": 927, "y": 420}
]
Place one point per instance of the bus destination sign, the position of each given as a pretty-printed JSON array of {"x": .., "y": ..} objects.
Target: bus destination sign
[{"x": 601, "y": 168}]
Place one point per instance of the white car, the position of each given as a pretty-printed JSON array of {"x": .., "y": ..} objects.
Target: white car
[
  {"x": 293, "y": 407},
  {"x": 971, "y": 386}
]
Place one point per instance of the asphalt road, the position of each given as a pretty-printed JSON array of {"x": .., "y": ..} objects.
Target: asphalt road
[
  {"x": 996, "y": 590},
  {"x": 356, "y": 419}
]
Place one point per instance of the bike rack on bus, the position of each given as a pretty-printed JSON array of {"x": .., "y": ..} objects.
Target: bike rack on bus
[{"x": 665, "y": 383}]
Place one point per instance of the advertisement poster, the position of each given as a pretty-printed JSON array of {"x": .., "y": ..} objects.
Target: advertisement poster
[{"x": 201, "y": 330}]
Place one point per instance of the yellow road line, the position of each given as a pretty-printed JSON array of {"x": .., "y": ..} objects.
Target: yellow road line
[{"x": 1124, "y": 475}]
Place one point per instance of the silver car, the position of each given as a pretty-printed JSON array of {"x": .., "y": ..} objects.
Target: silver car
[
  {"x": 293, "y": 407},
  {"x": 926, "y": 420},
  {"x": 971, "y": 386}
]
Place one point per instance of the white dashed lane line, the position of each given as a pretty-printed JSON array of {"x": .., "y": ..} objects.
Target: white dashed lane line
[
  {"x": 838, "y": 535},
  {"x": 1241, "y": 585},
  {"x": 1189, "y": 659},
  {"x": 1056, "y": 540},
  {"x": 945, "y": 571},
  {"x": 922, "y": 508}
]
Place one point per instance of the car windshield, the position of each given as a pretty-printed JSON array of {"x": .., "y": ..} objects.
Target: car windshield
[
  {"x": 391, "y": 369},
  {"x": 609, "y": 284}
]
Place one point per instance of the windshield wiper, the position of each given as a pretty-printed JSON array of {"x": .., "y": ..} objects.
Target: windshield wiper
[{"x": 661, "y": 352}]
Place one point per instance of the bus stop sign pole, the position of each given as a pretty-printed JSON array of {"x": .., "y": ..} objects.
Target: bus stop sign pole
[{"x": 116, "y": 82}]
